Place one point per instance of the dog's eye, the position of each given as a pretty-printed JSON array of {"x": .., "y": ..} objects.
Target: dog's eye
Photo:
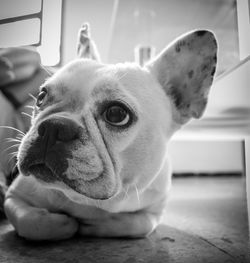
[
  {"x": 117, "y": 115},
  {"x": 40, "y": 98}
]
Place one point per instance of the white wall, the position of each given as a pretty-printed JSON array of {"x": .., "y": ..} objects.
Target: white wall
[{"x": 206, "y": 156}]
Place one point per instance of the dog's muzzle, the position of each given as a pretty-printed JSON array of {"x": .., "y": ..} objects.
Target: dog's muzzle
[
  {"x": 60, "y": 149},
  {"x": 46, "y": 156}
]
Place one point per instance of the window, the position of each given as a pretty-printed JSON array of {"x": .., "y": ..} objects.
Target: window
[
  {"x": 32, "y": 22},
  {"x": 159, "y": 22}
]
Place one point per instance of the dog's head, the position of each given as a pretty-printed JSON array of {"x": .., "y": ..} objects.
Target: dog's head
[{"x": 99, "y": 128}]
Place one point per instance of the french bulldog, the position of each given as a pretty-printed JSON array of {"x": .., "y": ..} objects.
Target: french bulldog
[{"x": 94, "y": 161}]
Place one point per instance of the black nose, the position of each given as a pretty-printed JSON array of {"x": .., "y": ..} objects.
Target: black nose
[{"x": 58, "y": 129}]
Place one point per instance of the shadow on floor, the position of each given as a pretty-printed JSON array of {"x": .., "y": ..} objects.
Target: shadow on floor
[{"x": 167, "y": 244}]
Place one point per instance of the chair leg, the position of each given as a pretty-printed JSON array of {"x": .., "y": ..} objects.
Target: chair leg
[{"x": 247, "y": 169}]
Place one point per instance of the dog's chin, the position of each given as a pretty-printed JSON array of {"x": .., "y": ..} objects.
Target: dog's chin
[
  {"x": 43, "y": 173},
  {"x": 50, "y": 179}
]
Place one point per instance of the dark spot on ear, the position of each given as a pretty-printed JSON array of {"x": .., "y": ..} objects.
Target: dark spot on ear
[
  {"x": 201, "y": 33},
  {"x": 185, "y": 86},
  {"x": 205, "y": 75},
  {"x": 215, "y": 58},
  {"x": 204, "y": 67},
  {"x": 213, "y": 71},
  {"x": 190, "y": 74},
  {"x": 180, "y": 44},
  {"x": 215, "y": 42},
  {"x": 176, "y": 96},
  {"x": 204, "y": 103},
  {"x": 177, "y": 48},
  {"x": 197, "y": 90}
]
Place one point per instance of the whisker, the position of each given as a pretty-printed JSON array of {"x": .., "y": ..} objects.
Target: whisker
[
  {"x": 126, "y": 193},
  {"x": 12, "y": 170},
  {"x": 26, "y": 114},
  {"x": 137, "y": 193},
  {"x": 87, "y": 201},
  {"x": 19, "y": 137},
  {"x": 98, "y": 204},
  {"x": 54, "y": 171},
  {"x": 12, "y": 128},
  {"x": 14, "y": 167},
  {"x": 12, "y": 146},
  {"x": 14, "y": 155},
  {"x": 50, "y": 73},
  {"x": 30, "y": 107},
  {"x": 9, "y": 138},
  {"x": 122, "y": 76},
  {"x": 32, "y": 96},
  {"x": 151, "y": 239},
  {"x": 12, "y": 140}
]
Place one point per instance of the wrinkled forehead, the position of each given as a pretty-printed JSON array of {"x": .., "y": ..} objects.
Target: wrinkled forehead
[
  {"x": 77, "y": 77},
  {"x": 86, "y": 79}
]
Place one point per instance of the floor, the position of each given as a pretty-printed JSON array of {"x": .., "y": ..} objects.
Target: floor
[{"x": 206, "y": 222}]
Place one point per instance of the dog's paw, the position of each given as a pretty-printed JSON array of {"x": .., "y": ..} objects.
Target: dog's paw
[
  {"x": 43, "y": 225},
  {"x": 129, "y": 225},
  {"x": 38, "y": 223}
]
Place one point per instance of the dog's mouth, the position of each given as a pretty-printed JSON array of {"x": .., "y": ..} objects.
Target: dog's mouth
[
  {"x": 46, "y": 175},
  {"x": 43, "y": 172}
]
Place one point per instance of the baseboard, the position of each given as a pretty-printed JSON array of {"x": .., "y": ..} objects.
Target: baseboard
[{"x": 204, "y": 174}]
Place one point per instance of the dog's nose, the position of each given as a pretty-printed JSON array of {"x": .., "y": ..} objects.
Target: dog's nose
[{"x": 58, "y": 129}]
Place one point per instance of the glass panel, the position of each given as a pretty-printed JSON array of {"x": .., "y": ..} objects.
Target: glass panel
[
  {"x": 19, "y": 26},
  {"x": 157, "y": 23},
  {"x": 14, "y": 8},
  {"x": 11, "y": 34},
  {"x": 51, "y": 32}
]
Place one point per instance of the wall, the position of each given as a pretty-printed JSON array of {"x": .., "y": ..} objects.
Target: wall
[{"x": 206, "y": 156}]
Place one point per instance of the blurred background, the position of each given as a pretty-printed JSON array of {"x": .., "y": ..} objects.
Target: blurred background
[{"x": 117, "y": 26}]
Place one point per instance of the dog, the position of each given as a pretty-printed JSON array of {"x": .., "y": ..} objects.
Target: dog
[{"x": 94, "y": 161}]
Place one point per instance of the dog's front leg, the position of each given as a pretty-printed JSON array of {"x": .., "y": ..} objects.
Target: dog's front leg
[
  {"x": 133, "y": 225},
  {"x": 38, "y": 223}
]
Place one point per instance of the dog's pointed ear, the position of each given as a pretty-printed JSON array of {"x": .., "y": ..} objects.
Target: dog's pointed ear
[
  {"x": 185, "y": 70},
  {"x": 86, "y": 47}
]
